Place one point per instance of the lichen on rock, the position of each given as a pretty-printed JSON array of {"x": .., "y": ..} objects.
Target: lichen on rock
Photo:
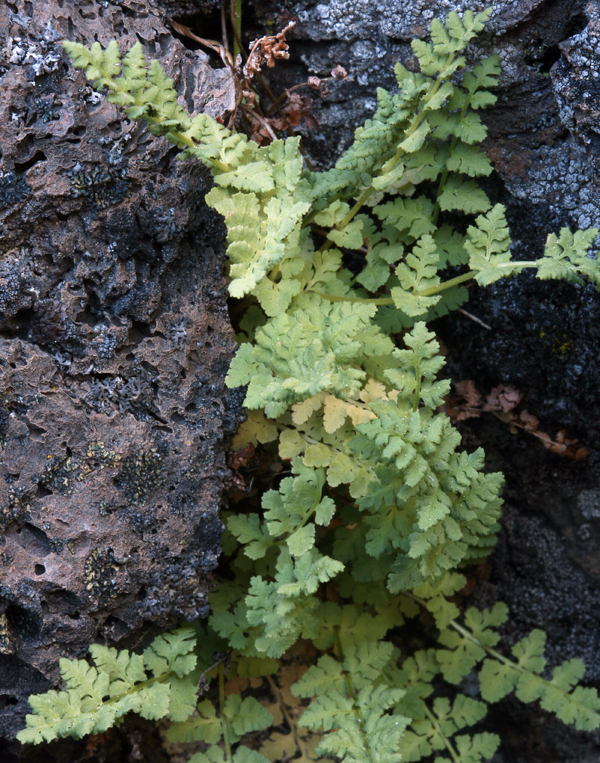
[{"x": 114, "y": 343}]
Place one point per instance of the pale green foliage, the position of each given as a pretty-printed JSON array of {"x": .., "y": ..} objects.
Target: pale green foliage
[
  {"x": 263, "y": 215},
  {"x": 241, "y": 717},
  {"x": 488, "y": 247},
  {"x": 429, "y": 503},
  {"x": 351, "y": 703},
  {"x": 276, "y": 612},
  {"x": 96, "y": 696},
  {"x": 419, "y": 367},
  {"x": 342, "y": 373},
  {"x": 566, "y": 257},
  {"x": 560, "y": 695},
  {"x": 297, "y": 355}
]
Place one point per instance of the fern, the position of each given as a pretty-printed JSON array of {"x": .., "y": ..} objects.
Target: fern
[
  {"x": 97, "y": 695},
  {"x": 350, "y": 703},
  {"x": 381, "y": 507}
]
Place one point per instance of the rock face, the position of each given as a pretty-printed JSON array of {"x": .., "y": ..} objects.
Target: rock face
[
  {"x": 115, "y": 340},
  {"x": 114, "y": 343}
]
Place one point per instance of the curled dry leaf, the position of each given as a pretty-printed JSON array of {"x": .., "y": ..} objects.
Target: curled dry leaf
[
  {"x": 294, "y": 110},
  {"x": 338, "y": 72},
  {"x": 267, "y": 50},
  {"x": 466, "y": 403},
  {"x": 297, "y": 108},
  {"x": 502, "y": 398}
]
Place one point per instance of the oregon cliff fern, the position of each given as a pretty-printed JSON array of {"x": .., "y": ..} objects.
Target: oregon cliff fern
[{"x": 382, "y": 507}]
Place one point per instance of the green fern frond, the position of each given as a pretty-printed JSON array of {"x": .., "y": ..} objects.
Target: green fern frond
[
  {"x": 341, "y": 271},
  {"x": 97, "y": 696}
]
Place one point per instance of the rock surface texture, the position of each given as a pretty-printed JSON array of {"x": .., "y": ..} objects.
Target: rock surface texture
[
  {"x": 114, "y": 343},
  {"x": 115, "y": 340},
  {"x": 544, "y": 141}
]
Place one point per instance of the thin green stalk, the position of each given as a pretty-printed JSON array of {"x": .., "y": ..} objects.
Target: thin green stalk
[
  {"x": 355, "y": 300},
  {"x": 468, "y": 276},
  {"x": 175, "y": 136},
  {"x": 224, "y": 725},
  {"x": 391, "y": 163},
  {"x": 492, "y": 652},
  {"x": 432, "y": 290},
  {"x": 417, "y": 386},
  {"x": 442, "y": 736},
  {"x": 352, "y": 694},
  {"x": 179, "y": 138},
  {"x": 356, "y": 208},
  {"x": 236, "y": 23}
]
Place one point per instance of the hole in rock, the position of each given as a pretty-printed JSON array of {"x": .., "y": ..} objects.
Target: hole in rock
[
  {"x": 39, "y": 156},
  {"x": 31, "y": 538},
  {"x": 550, "y": 57},
  {"x": 39, "y": 569},
  {"x": 43, "y": 491},
  {"x": 23, "y": 623}
]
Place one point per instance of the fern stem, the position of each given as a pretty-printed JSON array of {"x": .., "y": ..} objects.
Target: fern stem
[
  {"x": 356, "y": 300},
  {"x": 290, "y": 721},
  {"x": 236, "y": 23},
  {"x": 224, "y": 724},
  {"x": 391, "y": 163},
  {"x": 356, "y": 208},
  {"x": 442, "y": 736},
  {"x": 417, "y": 368},
  {"x": 468, "y": 276},
  {"x": 492, "y": 652},
  {"x": 501, "y": 658},
  {"x": 445, "y": 173},
  {"x": 352, "y": 695},
  {"x": 178, "y": 138},
  {"x": 446, "y": 284},
  {"x": 174, "y": 136}
]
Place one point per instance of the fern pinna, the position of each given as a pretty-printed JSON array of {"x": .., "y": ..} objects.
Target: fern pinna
[{"x": 381, "y": 506}]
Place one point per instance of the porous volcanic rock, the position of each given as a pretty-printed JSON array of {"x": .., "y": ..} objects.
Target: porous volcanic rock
[{"x": 114, "y": 343}]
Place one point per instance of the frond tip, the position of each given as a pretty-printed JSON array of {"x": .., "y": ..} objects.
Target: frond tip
[{"x": 97, "y": 695}]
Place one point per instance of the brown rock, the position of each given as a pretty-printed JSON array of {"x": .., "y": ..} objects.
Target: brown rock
[{"x": 114, "y": 343}]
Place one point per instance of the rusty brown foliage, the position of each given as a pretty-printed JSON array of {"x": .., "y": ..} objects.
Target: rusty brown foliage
[{"x": 466, "y": 402}]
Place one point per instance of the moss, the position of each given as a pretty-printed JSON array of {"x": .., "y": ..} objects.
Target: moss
[
  {"x": 99, "y": 570},
  {"x": 59, "y": 476},
  {"x": 102, "y": 188},
  {"x": 142, "y": 474},
  {"x": 7, "y": 645}
]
